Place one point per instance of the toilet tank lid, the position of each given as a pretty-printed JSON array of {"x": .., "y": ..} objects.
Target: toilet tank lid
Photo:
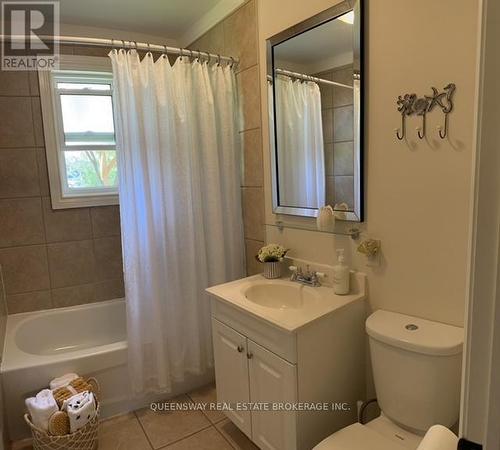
[{"x": 415, "y": 334}]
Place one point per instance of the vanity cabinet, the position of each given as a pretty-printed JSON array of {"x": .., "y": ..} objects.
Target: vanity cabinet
[
  {"x": 248, "y": 375},
  {"x": 289, "y": 371}
]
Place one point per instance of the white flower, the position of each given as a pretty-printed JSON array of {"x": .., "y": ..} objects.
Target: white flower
[{"x": 271, "y": 253}]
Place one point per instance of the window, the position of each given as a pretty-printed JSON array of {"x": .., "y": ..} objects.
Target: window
[{"x": 79, "y": 126}]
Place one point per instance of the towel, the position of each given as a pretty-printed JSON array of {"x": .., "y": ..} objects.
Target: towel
[
  {"x": 41, "y": 407},
  {"x": 62, "y": 381},
  {"x": 81, "y": 409}
]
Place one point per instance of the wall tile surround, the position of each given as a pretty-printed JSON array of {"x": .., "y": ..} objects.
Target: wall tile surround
[
  {"x": 337, "y": 116},
  {"x": 49, "y": 258},
  {"x": 56, "y": 258},
  {"x": 236, "y": 36}
]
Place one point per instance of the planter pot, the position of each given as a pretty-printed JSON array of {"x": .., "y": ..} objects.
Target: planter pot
[{"x": 272, "y": 270}]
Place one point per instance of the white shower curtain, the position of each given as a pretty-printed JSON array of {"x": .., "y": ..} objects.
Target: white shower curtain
[
  {"x": 180, "y": 209},
  {"x": 299, "y": 132}
]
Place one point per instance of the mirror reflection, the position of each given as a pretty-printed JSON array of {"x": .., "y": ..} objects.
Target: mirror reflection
[{"x": 314, "y": 119}]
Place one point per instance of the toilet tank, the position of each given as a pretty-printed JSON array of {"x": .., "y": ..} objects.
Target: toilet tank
[{"x": 417, "y": 369}]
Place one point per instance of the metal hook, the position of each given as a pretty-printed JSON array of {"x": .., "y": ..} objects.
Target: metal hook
[
  {"x": 232, "y": 62},
  {"x": 218, "y": 60},
  {"x": 440, "y": 128},
  {"x": 198, "y": 57},
  {"x": 208, "y": 57},
  {"x": 403, "y": 128},
  {"x": 421, "y": 130}
]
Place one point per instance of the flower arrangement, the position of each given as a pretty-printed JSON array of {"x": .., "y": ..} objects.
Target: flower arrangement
[{"x": 271, "y": 253}]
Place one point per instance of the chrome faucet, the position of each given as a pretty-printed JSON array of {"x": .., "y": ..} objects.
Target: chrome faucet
[{"x": 309, "y": 278}]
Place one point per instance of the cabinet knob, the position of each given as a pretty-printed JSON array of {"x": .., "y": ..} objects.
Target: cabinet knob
[
  {"x": 249, "y": 355},
  {"x": 240, "y": 348}
]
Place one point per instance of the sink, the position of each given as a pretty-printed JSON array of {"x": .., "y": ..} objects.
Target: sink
[
  {"x": 281, "y": 302},
  {"x": 281, "y": 295}
]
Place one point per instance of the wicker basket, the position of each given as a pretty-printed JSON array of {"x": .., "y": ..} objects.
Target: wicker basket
[{"x": 83, "y": 439}]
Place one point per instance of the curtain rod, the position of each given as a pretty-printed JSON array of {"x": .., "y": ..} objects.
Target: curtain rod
[
  {"x": 302, "y": 76},
  {"x": 120, "y": 43}
]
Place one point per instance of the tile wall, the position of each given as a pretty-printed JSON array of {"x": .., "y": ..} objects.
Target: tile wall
[
  {"x": 337, "y": 114},
  {"x": 49, "y": 258}
]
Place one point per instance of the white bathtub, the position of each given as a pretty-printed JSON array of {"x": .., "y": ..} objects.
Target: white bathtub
[{"x": 89, "y": 340}]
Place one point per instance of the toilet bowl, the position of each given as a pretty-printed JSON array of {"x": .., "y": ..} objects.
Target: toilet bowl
[{"x": 416, "y": 369}]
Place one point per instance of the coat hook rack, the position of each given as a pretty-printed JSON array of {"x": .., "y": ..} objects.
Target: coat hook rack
[{"x": 410, "y": 104}]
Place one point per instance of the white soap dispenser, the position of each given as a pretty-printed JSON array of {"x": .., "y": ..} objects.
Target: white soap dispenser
[{"x": 341, "y": 275}]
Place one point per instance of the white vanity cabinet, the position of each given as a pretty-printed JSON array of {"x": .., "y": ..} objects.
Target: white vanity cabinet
[
  {"x": 270, "y": 375},
  {"x": 248, "y": 374}
]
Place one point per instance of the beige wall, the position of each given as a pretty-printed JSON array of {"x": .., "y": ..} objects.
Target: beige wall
[
  {"x": 417, "y": 193},
  {"x": 49, "y": 258},
  {"x": 236, "y": 36}
]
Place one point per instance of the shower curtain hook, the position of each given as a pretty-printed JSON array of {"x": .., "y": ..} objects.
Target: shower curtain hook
[
  {"x": 208, "y": 57},
  {"x": 218, "y": 60},
  {"x": 232, "y": 62}
]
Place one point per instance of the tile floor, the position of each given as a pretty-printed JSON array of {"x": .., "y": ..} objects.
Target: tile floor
[{"x": 179, "y": 430}]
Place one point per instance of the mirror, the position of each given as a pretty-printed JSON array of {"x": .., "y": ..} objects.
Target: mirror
[{"x": 315, "y": 98}]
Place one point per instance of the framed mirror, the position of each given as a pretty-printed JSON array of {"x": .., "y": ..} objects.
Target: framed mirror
[{"x": 315, "y": 91}]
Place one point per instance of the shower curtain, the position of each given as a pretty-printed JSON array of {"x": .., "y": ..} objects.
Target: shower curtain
[
  {"x": 180, "y": 209},
  {"x": 299, "y": 132}
]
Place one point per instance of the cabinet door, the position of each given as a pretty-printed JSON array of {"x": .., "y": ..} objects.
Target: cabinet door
[
  {"x": 231, "y": 373},
  {"x": 272, "y": 380}
]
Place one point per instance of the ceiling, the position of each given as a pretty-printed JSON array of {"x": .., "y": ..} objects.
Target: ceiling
[
  {"x": 177, "y": 20},
  {"x": 320, "y": 43}
]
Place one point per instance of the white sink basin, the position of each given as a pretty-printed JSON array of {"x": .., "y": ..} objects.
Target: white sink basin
[
  {"x": 284, "y": 303},
  {"x": 281, "y": 295}
]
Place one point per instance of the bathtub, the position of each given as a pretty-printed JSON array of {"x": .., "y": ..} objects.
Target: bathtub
[{"x": 89, "y": 340}]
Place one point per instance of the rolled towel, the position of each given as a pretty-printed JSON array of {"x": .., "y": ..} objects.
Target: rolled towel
[
  {"x": 41, "y": 407},
  {"x": 438, "y": 438},
  {"x": 81, "y": 409},
  {"x": 62, "y": 381}
]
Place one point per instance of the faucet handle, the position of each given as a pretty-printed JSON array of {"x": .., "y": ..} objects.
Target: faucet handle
[{"x": 294, "y": 270}]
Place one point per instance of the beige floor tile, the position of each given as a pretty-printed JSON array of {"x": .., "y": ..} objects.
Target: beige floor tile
[
  {"x": 208, "y": 395},
  {"x": 236, "y": 437},
  {"x": 25, "y": 444},
  {"x": 122, "y": 433},
  {"x": 208, "y": 439},
  {"x": 165, "y": 427}
]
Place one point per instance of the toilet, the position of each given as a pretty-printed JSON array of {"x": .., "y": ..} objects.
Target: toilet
[{"x": 417, "y": 374}]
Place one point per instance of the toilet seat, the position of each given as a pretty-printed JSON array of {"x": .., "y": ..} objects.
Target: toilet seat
[{"x": 358, "y": 437}]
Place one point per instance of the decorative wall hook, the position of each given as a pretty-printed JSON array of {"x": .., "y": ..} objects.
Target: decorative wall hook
[
  {"x": 403, "y": 128},
  {"x": 421, "y": 130},
  {"x": 410, "y": 104}
]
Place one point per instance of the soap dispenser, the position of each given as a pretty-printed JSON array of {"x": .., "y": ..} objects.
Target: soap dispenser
[{"x": 341, "y": 274}]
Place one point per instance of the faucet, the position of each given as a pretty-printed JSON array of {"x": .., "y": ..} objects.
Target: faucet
[{"x": 308, "y": 278}]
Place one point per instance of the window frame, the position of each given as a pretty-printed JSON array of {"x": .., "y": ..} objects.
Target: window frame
[{"x": 84, "y": 68}]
